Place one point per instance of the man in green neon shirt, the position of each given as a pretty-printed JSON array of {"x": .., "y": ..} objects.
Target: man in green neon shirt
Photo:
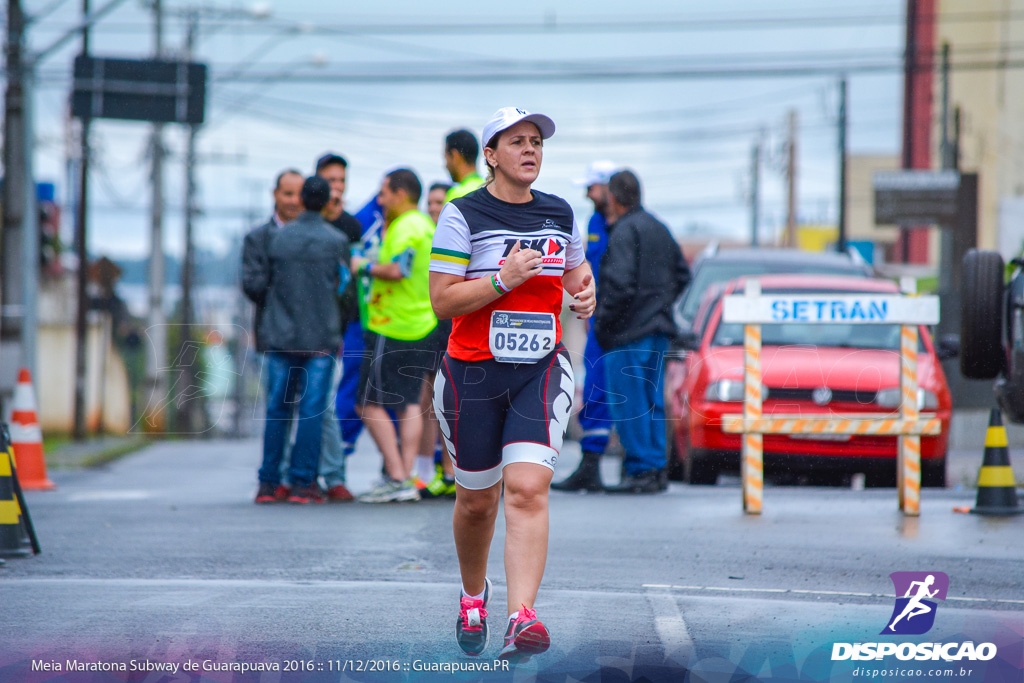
[
  {"x": 460, "y": 154},
  {"x": 399, "y": 319}
]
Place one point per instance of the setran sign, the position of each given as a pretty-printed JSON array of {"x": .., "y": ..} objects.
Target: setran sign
[
  {"x": 139, "y": 90},
  {"x": 916, "y": 197},
  {"x": 857, "y": 309}
]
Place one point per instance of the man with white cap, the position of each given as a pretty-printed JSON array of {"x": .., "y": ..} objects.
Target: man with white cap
[
  {"x": 501, "y": 258},
  {"x": 594, "y": 417}
]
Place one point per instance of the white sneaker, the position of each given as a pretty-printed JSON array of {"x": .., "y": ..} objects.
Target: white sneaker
[{"x": 391, "y": 491}]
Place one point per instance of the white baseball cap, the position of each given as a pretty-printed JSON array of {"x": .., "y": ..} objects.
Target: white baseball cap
[
  {"x": 506, "y": 117},
  {"x": 598, "y": 173}
]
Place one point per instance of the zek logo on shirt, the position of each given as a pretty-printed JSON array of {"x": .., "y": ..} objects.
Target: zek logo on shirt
[{"x": 551, "y": 249}]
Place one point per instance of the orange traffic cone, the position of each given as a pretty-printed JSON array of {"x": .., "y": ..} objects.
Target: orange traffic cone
[{"x": 27, "y": 438}]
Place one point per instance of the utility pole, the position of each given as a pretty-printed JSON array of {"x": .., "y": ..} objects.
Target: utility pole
[
  {"x": 81, "y": 243},
  {"x": 755, "y": 200},
  {"x": 955, "y": 152},
  {"x": 909, "y": 76},
  {"x": 791, "y": 203},
  {"x": 240, "y": 350},
  {"x": 949, "y": 258},
  {"x": 841, "y": 242},
  {"x": 13, "y": 200},
  {"x": 20, "y": 264},
  {"x": 945, "y": 143},
  {"x": 946, "y": 264},
  {"x": 157, "y": 322},
  {"x": 19, "y": 239},
  {"x": 186, "y": 418}
]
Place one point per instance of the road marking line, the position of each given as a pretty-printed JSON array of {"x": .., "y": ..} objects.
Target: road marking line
[
  {"x": 807, "y": 592},
  {"x": 669, "y": 624},
  {"x": 90, "y": 496},
  {"x": 319, "y": 584}
]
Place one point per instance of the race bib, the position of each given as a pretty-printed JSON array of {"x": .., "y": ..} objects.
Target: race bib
[{"x": 521, "y": 337}]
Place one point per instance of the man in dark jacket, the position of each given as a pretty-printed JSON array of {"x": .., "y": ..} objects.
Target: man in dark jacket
[
  {"x": 301, "y": 331},
  {"x": 642, "y": 273},
  {"x": 255, "y": 264}
]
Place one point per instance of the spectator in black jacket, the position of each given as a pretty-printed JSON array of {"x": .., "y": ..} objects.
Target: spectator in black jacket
[
  {"x": 301, "y": 330},
  {"x": 642, "y": 273},
  {"x": 255, "y": 248}
]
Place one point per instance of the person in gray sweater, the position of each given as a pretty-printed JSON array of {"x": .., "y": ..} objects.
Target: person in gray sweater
[{"x": 300, "y": 329}]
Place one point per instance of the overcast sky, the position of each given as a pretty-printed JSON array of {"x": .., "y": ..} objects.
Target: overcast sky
[{"x": 383, "y": 83}]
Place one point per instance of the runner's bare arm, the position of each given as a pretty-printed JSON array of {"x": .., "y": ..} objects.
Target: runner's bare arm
[
  {"x": 454, "y": 295},
  {"x": 579, "y": 282}
]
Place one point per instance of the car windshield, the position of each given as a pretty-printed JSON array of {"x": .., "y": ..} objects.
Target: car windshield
[
  {"x": 712, "y": 271},
  {"x": 838, "y": 335}
]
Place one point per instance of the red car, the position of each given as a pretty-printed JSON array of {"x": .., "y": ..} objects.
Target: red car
[{"x": 808, "y": 369}]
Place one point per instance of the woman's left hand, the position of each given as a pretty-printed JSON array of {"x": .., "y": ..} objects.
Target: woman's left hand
[{"x": 586, "y": 299}]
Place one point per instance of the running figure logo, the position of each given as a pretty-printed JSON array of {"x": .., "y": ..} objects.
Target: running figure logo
[{"x": 914, "y": 612}]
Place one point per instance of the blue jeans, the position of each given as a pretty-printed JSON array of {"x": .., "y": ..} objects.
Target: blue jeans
[
  {"x": 635, "y": 376},
  {"x": 348, "y": 388},
  {"x": 332, "y": 455},
  {"x": 595, "y": 417},
  {"x": 295, "y": 378}
]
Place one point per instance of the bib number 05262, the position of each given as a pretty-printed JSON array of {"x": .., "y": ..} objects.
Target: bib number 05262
[
  {"x": 521, "y": 337},
  {"x": 521, "y": 341}
]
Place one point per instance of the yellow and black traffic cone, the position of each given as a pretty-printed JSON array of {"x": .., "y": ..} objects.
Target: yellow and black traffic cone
[
  {"x": 12, "y": 532},
  {"x": 997, "y": 490}
]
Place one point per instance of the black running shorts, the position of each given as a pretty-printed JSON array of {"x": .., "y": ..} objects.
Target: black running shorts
[
  {"x": 493, "y": 414},
  {"x": 392, "y": 371}
]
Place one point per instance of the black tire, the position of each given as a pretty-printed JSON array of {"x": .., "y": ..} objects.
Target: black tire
[
  {"x": 981, "y": 348},
  {"x": 674, "y": 467},
  {"x": 933, "y": 473},
  {"x": 701, "y": 469}
]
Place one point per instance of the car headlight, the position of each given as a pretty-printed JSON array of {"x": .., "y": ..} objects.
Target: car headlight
[
  {"x": 726, "y": 390},
  {"x": 890, "y": 398}
]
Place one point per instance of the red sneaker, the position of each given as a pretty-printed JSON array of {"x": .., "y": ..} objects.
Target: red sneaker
[
  {"x": 265, "y": 494},
  {"x": 307, "y": 494},
  {"x": 525, "y": 636},
  {"x": 471, "y": 626},
  {"x": 339, "y": 494},
  {"x": 282, "y": 492}
]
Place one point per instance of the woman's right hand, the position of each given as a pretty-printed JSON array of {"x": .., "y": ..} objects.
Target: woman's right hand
[{"x": 520, "y": 265}]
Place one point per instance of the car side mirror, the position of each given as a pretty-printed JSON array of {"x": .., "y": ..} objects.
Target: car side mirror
[
  {"x": 948, "y": 346},
  {"x": 688, "y": 340}
]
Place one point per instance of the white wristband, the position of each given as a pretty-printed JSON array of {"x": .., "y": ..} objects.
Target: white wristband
[{"x": 501, "y": 285}]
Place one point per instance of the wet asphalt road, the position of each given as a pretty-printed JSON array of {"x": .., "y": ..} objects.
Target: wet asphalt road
[{"x": 162, "y": 557}]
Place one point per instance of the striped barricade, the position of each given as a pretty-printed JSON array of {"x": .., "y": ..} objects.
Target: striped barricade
[{"x": 753, "y": 309}]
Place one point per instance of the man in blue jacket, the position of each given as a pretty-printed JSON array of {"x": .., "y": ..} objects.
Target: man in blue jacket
[{"x": 594, "y": 417}]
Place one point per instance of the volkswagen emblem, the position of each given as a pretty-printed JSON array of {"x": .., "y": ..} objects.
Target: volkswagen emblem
[{"x": 821, "y": 396}]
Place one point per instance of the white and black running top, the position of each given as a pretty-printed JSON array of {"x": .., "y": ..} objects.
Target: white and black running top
[{"x": 475, "y": 234}]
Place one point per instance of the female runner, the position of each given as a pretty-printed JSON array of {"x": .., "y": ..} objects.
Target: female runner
[{"x": 501, "y": 257}]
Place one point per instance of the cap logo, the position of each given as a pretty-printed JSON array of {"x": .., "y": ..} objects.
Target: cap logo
[{"x": 520, "y": 111}]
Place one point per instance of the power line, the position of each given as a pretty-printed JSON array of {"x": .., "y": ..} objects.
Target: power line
[
  {"x": 551, "y": 25},
  {"x": 706, "y": 66},
  {"x": 430, "y": 74}
]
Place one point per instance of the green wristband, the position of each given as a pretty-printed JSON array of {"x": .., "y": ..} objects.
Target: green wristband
[{"x": 494, "y": 283}]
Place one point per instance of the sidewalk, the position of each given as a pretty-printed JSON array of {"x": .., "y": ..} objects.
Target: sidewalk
[{"x": 95, "y": 451}]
